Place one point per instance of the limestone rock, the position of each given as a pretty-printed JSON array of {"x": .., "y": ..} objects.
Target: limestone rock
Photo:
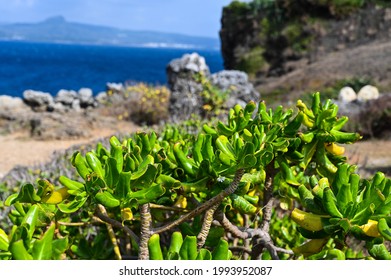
[
  {"x": 66, "y": 97},
  {"x": 368, "y": 92},
  {"x": 185, "y": 98},
  {"x": 187, "y": 65},
  {"x": 86, "y": 98},
  {"x": 10, "y": 103},
  {"x": 115, "y": 87},
  {"x": 38, "y": 100},
  {"x": 237, "y": 83},
  {"x": 101, "y": 97},
  {"x": 186, "y": 91},
  {"x": 347, "y": 94}
]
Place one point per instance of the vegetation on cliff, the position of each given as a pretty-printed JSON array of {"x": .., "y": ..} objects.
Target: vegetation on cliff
[{"x": 273, "y": 37}]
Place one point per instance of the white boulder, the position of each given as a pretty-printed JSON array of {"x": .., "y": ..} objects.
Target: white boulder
[
  {"x": 368, "y": 92},
  {"x": 347, "y": 95}
]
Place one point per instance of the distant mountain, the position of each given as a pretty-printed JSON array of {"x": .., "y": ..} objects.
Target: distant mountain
[{"x": 59, "y": 30}]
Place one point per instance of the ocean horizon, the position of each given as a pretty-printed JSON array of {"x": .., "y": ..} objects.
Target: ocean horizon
[{"x": 50, "y": 67}]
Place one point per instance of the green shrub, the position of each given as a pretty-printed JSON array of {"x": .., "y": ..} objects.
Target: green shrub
[{"x": 271, "y": 178}]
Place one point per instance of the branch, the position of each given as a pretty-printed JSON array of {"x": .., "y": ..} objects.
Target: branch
[
  {"x": 207, "y": 205},
  {"x": 117, "y": 224},
  {"x": 230, "y": 227},
  {"x": 146, "y": 222},
  {"x": 268, "y": 203},
  {"x": 263, "y": 239},
  {"x": 110, "y": 230},
  {"x": 168, "y": 208}
]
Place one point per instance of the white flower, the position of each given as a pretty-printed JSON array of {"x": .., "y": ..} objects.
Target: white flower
[{"x": 221, "y": 179}]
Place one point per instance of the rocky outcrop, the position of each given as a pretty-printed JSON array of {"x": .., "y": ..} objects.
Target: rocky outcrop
[
  {"x": 68, "y": 115},
  {"x": 38, "y": 100},
  {"x": 270, "y": 41},
  {"x": 65, "y": 100},
  {"x": 240, "y": 89},
  {"x": 187, "y": 97}
]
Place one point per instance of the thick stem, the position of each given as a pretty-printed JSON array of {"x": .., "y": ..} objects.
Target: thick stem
[
  {"x": 263, "y": 239},
  {"x": 208, "y": 219},
  {"x": 268, "y": 203},
  {"x": 207, "y": 205},
  {"x": 228, "y": 226},
  {"x": 146, "y": 222}
]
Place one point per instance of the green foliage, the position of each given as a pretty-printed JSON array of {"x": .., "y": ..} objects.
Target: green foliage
[
  {"x": 155, "y": 195},
  {"x": 141, "y": 103},
  {"x": 213, "y": 98},
  {"x": 238, "y": 8},
  {"x": 253, "y": 61}
]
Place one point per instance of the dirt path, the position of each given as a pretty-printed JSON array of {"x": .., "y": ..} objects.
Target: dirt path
[
  {"x": 374, "y": 154},
  {"x": 19, "y": 149}
]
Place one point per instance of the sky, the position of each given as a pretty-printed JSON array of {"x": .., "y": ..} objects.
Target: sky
[{"x": 191, "y": 17}]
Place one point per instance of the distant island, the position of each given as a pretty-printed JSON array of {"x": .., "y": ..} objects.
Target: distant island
[{"x": 59, "y": 30}]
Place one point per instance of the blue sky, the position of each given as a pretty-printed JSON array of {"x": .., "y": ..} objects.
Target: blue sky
[{"x": 192, "y": 17}]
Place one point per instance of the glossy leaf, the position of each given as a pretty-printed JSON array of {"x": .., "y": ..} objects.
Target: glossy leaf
[
  {"x": 19, "y": 252},
  {"x": 107, "y": 199},
  {"x": 147, "y": 195},
  {"x": 42, "y": 249},
  {"x": 188, "y": 249}
]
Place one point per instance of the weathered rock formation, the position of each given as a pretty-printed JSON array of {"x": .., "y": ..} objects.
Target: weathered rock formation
[
  {"x": 272, "y": 39},
  {"x": 186, "y": 90}
]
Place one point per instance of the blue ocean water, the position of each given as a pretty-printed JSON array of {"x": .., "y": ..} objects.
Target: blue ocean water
[{"x": 51, "y": 67}]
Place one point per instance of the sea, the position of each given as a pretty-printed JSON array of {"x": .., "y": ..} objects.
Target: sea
[{"x": 50, "y": 67}]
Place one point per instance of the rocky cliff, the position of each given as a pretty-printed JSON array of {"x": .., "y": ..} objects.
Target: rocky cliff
[{"x": 285, "y": 44}]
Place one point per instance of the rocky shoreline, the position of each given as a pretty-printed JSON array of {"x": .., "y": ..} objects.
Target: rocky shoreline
[
  {"x": 78, "y": 116},
  {"x": 71, "y": 113}
]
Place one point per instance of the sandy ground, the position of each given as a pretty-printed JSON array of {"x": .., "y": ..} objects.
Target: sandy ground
[
  {"x": 373, "y": 154},
  {"x": 19, "y": 149}
]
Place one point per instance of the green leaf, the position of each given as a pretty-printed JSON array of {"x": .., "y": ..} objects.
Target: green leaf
[
  {"x": 123, "y": 186},
  {"x": 188, "y": 249},
  {"x": 308, "y": 152},
  {"x": 42, "y": 249},
  {"x": 111, "y": 172},
  {"x": 72, "y": 206},
  {"x": 146, "y": 179},
  {"x": 107, "y": 199},
  {"x": 4, "y": 242},
  {"x": 221, "y": 252},
  {"x": 204, "y": 254},
  {"x": 147, "y": 195},
  {"x": 11, "y": 199},
  {"x": 242, "y": 205},
  {"x": 380, "y": 252},
  {"x": 176, "y": 242},
  {"x": 363, "y": 214},
  {"x": 31, "y": 219},
  {"x": 27, "y": 194},
  {"x": 19, "y": 252},
  {"x": 266, "y": 157},
  {"x": 142, "y": 168},
  {"x": 59, "y": 247},
  {"x": 248, "y": 161},
  {"x": 168, "y": 182}
]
